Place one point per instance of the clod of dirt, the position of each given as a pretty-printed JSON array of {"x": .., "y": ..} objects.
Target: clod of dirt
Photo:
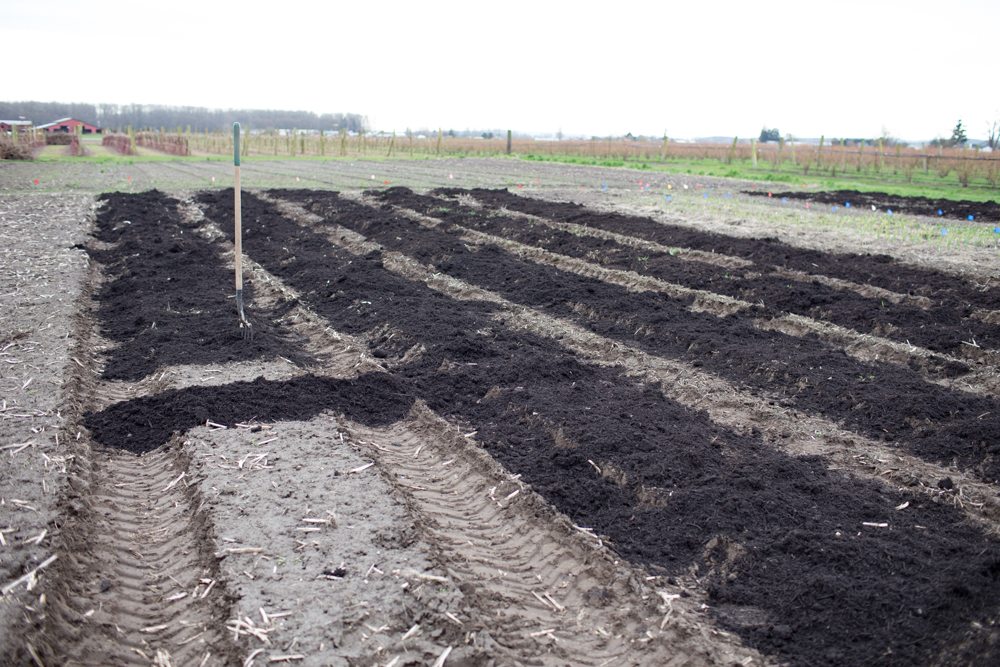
[{"x": 336, "y": 573}]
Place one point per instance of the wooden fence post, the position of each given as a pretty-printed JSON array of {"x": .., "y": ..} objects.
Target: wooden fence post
[{"x": 508, "y": 141}]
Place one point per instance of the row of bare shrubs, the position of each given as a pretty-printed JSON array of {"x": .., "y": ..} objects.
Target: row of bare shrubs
[
  {"x": 174, "y": 144},
  {"x": 21, "y": 146},
  {"x": 15, "y": 151},
  {"x": 58, "y": 138},
  {"x": 120, "y": 143}
]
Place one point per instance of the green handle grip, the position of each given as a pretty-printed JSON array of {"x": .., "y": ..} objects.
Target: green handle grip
[{"x": 236, "y": 144}]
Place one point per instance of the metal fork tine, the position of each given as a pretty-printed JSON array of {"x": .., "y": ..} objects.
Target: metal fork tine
[{"x": 246, "y": 329}]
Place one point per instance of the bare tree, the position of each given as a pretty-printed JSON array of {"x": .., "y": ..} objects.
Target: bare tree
[{"x": 993, "y": 138}]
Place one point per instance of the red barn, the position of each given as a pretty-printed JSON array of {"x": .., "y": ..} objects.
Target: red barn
[
  {"x": 9, "y": 126},
  {"x": 69, "y": 125}
]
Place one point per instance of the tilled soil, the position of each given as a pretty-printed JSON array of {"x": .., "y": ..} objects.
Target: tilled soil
[
  {"x": 883, "y": 400},
  {"x": 955, "y": 209},
  {"x": 534, "y": 505},
  {"x": 169, "y": 299},
  {"x": 879, "y": 270},
  {"x": 139, "y": 507},
  {"x": 669, "y": 488},
  {"x": 940, "y": 327}
]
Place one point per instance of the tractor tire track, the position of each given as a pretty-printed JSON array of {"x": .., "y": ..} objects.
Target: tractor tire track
[
  {"x": 134, "y": 582},
  {"x": 533, "y": 575}
]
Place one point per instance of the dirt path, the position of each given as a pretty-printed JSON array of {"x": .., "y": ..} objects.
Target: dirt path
[
  {"x": 41, "y": 274},
  {"x": 136, "y": 583}
]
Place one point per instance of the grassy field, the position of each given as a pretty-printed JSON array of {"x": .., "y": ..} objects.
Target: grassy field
[{"x": 791, "y": 176}]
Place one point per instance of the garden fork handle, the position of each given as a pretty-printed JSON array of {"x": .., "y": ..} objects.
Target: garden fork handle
[{"x": 238, "y": 223}]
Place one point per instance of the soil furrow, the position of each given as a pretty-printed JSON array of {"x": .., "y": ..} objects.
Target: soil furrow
[
  {"x": 878, "y": 270},
  {"x": 883, "y": 401},
  {"x": 330, "y": 353},
  {"x": 479, "y": 371},
  {"x": 504, "y": 570}
]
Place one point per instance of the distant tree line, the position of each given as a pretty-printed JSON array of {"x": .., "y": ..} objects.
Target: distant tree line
[{"x": 121, "y": 116}]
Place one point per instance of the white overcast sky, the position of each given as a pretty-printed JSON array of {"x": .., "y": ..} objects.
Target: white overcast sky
[{"x": 697, "y": 68}]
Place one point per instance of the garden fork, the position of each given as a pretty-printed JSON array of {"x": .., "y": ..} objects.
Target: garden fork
[{"x": 246, "y": 330}]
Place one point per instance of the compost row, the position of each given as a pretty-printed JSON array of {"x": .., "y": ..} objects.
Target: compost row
[
  {"x": 954, "y": 209},
  {"x": 879, "y": 270},
  {"x": 941, "y": 328},
  {"x": 143, "y": 424},
  {"x": 779, "y": 541},
  {"x": 882, "y": 400},
  {"x": 169, "y": 299}
]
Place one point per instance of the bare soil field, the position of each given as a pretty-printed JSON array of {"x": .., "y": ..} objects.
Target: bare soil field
[{"x": 494, "y": 413}]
